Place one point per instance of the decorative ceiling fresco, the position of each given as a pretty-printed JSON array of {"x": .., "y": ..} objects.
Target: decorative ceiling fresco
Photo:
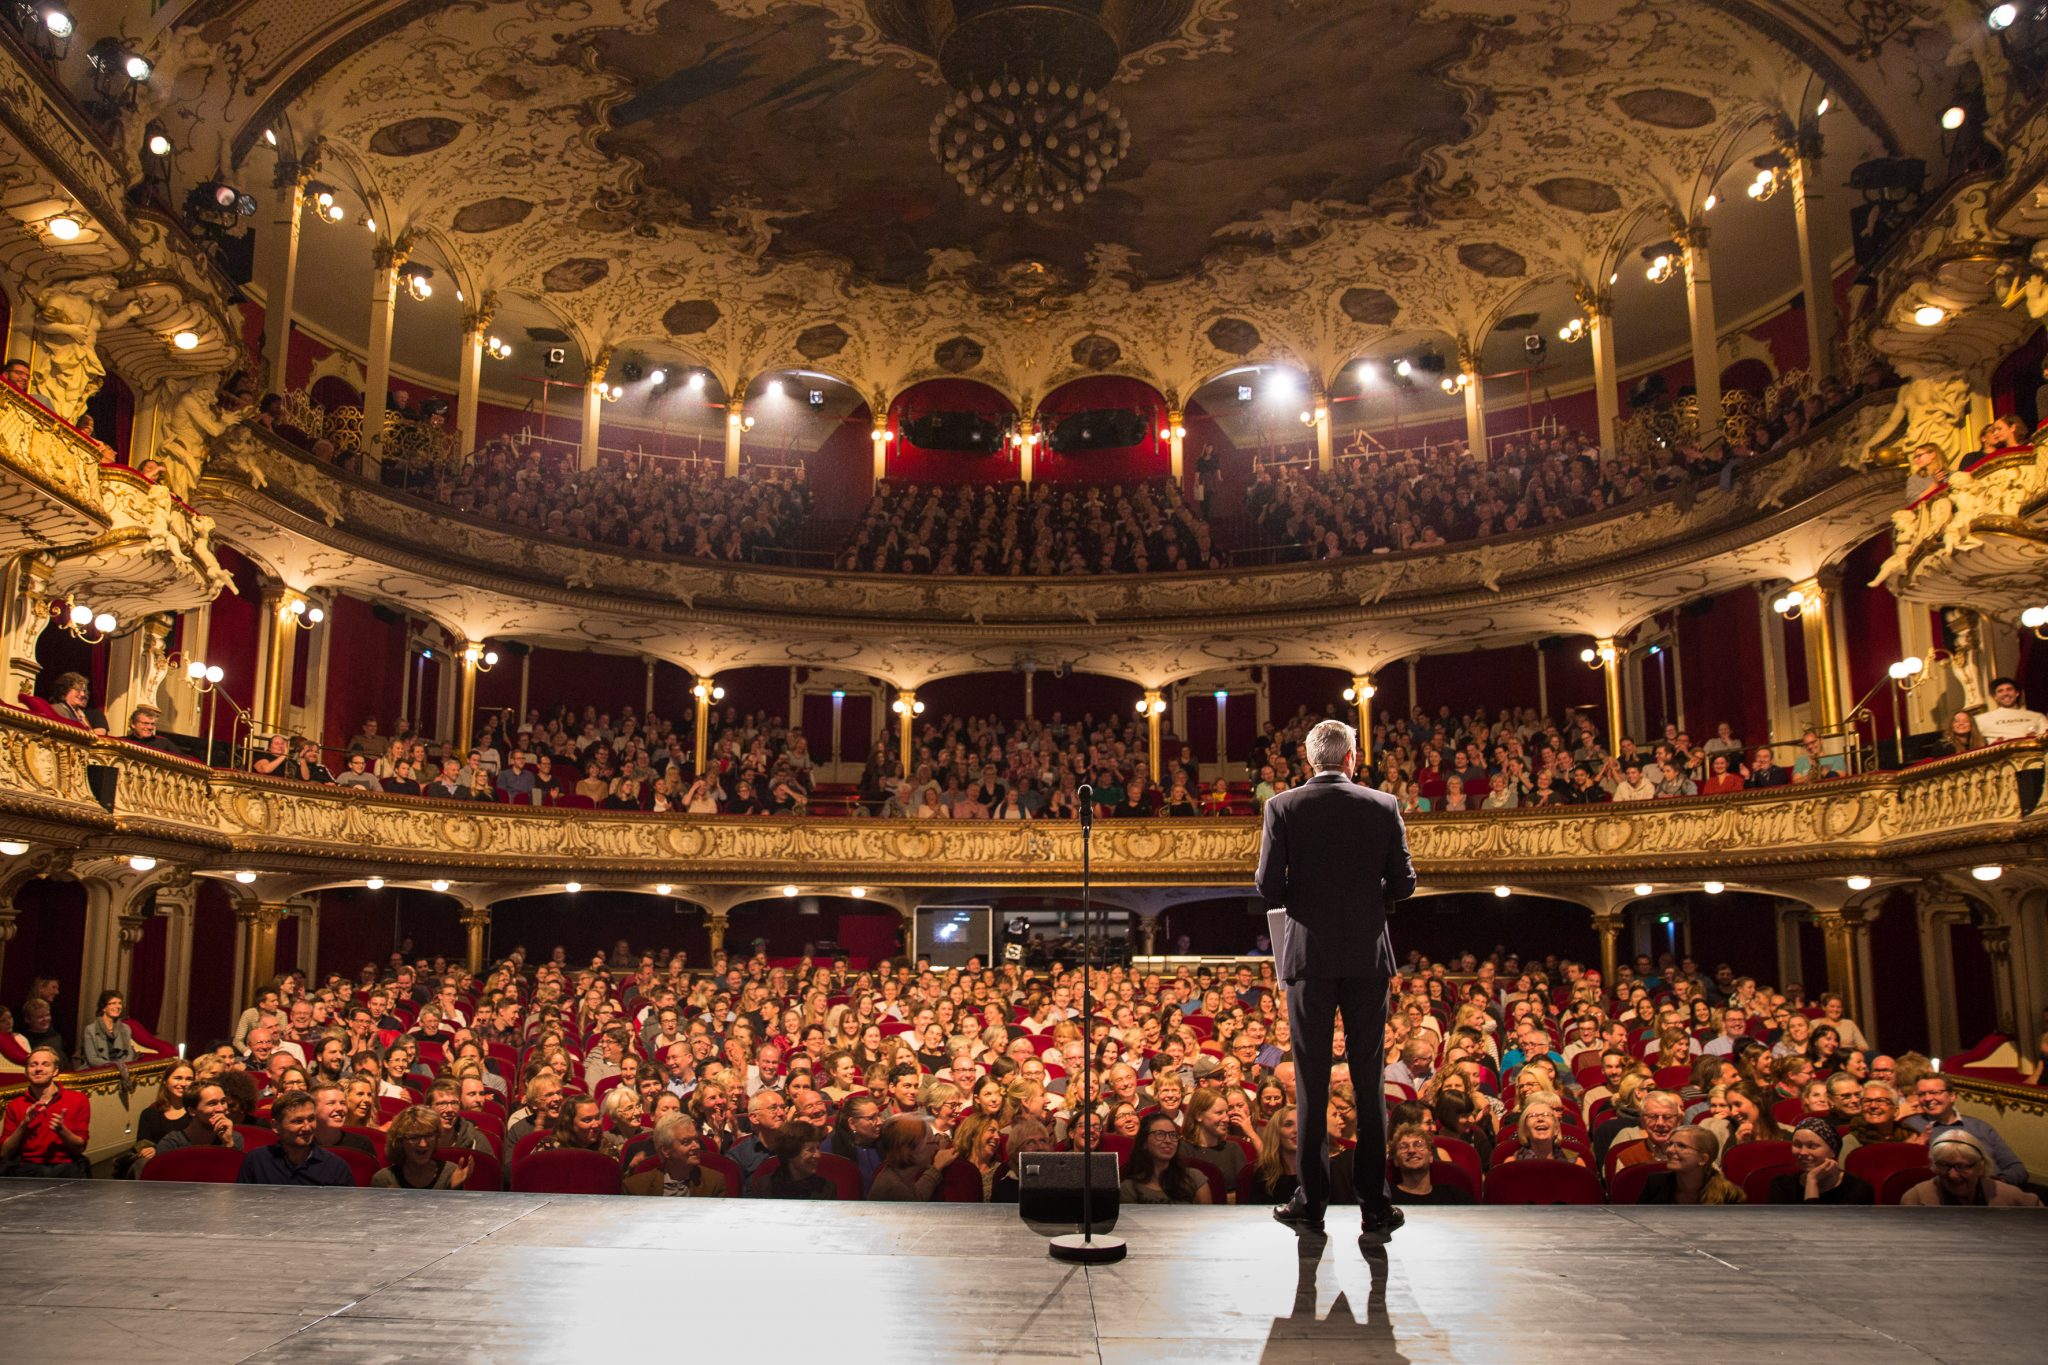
[{"x": 755, "y": 180}]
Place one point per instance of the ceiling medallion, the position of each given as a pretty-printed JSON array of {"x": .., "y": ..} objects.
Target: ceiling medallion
[{"x": 1033, "y": 144}]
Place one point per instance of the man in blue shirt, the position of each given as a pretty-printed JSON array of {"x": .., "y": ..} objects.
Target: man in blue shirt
[
  {"x": 294, "y": 1159},
  {"x": 1938, "y": 1114}
]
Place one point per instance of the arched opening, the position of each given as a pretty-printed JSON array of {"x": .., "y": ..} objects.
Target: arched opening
[
  {"x": 818, "y": 422},
  {"x": 790, "y": 927},
  {"x": 596, "y": 920},
  {"x": 951, "y": 431},
  {"x": 1102, "y": 429},
  {"x": 112, "y": 414},
  {"x": 1532, "y": 927}
]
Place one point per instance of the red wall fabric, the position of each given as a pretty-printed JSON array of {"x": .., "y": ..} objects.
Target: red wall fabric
[
  {"x": 1150, "y": 458},
  {"x": 233, "y": 626},
  {"x": 907, "y": 462},
  {"x": 146, "y": 972},
  {"x": 1870, "y": 629},
  {"x": 211, "y": 1009},
  {"x": 1720, "y": 654},
  {"x": 1291, "y": 687},
  {"x": 49, "y": 940},
  {"x": 365, "y": 669}
]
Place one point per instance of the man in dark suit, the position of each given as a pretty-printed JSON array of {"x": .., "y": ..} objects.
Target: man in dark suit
[{"x": 1335, "y": 855}]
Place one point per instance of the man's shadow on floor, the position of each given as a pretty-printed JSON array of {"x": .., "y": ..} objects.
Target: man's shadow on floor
[{"x": 1339, "y": 1335}]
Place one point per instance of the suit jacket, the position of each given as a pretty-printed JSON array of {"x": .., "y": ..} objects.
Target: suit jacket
[{"x": 1335, "y": 855}]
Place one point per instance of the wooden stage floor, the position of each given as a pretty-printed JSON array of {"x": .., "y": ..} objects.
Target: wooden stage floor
[{"x": 105, "y": 1271}]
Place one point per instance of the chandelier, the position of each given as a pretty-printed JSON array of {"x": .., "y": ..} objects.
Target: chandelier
[{"x": 1033, "y": 144}]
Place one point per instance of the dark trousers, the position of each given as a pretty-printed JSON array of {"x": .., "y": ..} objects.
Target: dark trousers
[{"x": 1312, "y": 1008}]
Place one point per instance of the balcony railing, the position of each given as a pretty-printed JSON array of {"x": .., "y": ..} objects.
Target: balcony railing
[{"x": 1972, "y": 807}]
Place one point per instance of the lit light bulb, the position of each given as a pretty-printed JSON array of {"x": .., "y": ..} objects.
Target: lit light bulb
[
  {"x": 2002, "y": 17},
  {"x": 1929, "y": 315},
  {"x": 663, "y": 889},
  {"x": 105, "y": 623},
  {"x": 1987, "y": 872},
  {"x": 1954, "y": 117},
  {"x": 187, "y": 340},
  {"x": 1713, "y": 888},
  {"x": 1644, "y": 889},
  {"x": 439, "y": 885},
  {"x": 572, "y": 887},
  {"x": 214, "y": 673},
  {"x": 81, "y": 615},
  {"x": 1859, "y": 883},
  {"x": 12, "y": 848},
  {"x": 1503, "y": 892},
  {"x": 195, "y": 670},
  {"x": 65, "y": 228},
  {"x": 1825, "y": 102},
  {"x": 159, "y": 145},
  {"x": 374, "y": 883},
  {"x": 859, "y": 893},
  {"x": 142, "y": 862},
  {"x": 789, "y": 891},
  {"x": 245, "y": 877}
]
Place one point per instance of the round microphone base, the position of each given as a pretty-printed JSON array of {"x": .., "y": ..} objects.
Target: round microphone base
[{"x": 1081, "y": 1250}]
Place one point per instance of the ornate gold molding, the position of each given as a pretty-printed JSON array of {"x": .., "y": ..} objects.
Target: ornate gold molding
[{"x": 1939, "y": 812}]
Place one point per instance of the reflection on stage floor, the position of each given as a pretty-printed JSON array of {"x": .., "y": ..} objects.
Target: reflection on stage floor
[{"x": 122, "y": 1272}]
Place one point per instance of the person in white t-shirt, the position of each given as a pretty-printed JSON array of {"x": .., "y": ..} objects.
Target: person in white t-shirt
[{"x": 2009, "y": 719}]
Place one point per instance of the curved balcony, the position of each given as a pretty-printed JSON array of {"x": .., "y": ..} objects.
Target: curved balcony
[
  {"x": 1972, "y": 808},
  {"x": 1978, "y": 536},
  {"x": 315, "y": 527}
]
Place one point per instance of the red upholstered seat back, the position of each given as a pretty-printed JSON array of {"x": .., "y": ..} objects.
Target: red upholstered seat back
[
  {"x": 199, "y": 1165},
  {"x": 566, "y": 1170}
]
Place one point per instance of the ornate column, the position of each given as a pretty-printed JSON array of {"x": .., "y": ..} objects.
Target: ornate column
[
  {"x": 1997, "y": 937},
  {"x": 281, "y": 278},
  {"x": 256, "y": 924},
  {"x": 1608, "y": 924},
  {"x": 1706, "y": 337},
  {"x": 26, "y": 606},
  {"x": 1844, "y": 930},
  {"x": 736, "y": 421},
  {"x": 1025, "y": 440},
  {"x": 1153, "y": 705},
  {"x": 1777, "y": 682},
  {"x": 1790, "y": 967},
  {"x": 1319, "y": 416},
  {"x": 276, "y": 652},
  {"x": 1474, "y": 385},
  {"x": 1610, "y": 660},
  {"x": 472, "y": 656},
  {"x": 706, "y": 692},
  {"x": 1823, "y": 665},
  {"x": 1598, "y": 306},
  {"x": 1937, "y": 910},
  {"x": 469, "y": 385},
  {"x": 594, "y": 391},
  {"x": 715, "y": 922},
  {"x": 306, "y": 909},
  {"x": 386, "y": 259},
  {"x": 1816, "y": 285},
  {"x": 177, "y": 902},
  {"x": 907, "y": 706},
  {"x": 1148, "y": 934},
  {"x": 476, "y": 922},
  {"x": 881, "y": 436},
  {"x": 117, "y": 894},
  {"x": 136, "y": 667},
  {"x": 647, "y": 705},
  {"x": 1176, "y": 441},
  {"x": 1361, "y": 695}
]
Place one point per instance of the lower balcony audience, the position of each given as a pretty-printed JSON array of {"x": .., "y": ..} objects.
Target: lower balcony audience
[{"x": 813, "y": 1080}]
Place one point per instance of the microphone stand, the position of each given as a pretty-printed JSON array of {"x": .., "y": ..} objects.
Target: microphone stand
[{"x": 1084, "y": 1248}]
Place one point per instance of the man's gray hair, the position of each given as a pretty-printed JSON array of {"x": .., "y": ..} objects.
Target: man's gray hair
[{"x": 1327, "y": 744}]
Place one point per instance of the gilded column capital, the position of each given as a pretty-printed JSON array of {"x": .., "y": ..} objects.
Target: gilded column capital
[
  {"x": 1593, "y": 301},
  {"x": 479, "y": 318},
  {"x": 598, "y": 367}
]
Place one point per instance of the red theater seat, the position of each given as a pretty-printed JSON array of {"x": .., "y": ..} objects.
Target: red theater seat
[
  {"x": 1738, "y": 1161},
  {"x": 198, "y": 1165},
  {"x": 564, "y": 1170},
  {"x": 1756, "y": 1187},
  {"x": 1542, "y": 1182},
  {"x": 484, "y": 1171},
  {"x": 1875, "y": 1162},
  {"x": 361, "y": 1165},
  {"x": 1896, "y": 1183},
  {"x": 1628, "y": 1182}
]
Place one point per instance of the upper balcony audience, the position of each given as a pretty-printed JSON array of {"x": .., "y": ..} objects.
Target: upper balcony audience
[{"x": 1008, "y": 530}]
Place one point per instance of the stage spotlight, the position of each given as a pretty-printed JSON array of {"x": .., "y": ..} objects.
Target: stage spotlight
[
  {"x": 774, "y": 389},
  {"x": 1404, "y": 367},
  {"x": 158, "y": 144},
  {"x": 695, "y": 383},
  {"x": 816, "y": 399},
  {"x": 53, "y": 27},
  {"x": 2002, "y": 17},
  {"x": 658, "y": 378}
]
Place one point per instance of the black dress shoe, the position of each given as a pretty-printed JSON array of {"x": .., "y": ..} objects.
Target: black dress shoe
[
  {"x": 1298, "y": 1216},
  {"x": 1377, "y": 1227}
]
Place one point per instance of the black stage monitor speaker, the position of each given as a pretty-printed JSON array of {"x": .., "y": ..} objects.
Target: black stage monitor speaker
[{"x": 1049, "y": 1189}]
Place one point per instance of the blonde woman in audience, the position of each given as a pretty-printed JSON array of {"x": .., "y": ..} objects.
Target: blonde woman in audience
[{"x": 1690, "y": 1174}]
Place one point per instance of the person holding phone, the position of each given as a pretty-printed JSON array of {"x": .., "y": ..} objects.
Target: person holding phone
[{"x": 43, "y": 1131}]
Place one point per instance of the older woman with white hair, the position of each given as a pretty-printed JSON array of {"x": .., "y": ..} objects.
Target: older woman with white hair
[
  {"x": 678, "y": 1170},
  {"x": 1962, "y": 1178}
]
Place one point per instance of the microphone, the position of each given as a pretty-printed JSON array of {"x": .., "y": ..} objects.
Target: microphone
[{"x": 1087, "y": 795}]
